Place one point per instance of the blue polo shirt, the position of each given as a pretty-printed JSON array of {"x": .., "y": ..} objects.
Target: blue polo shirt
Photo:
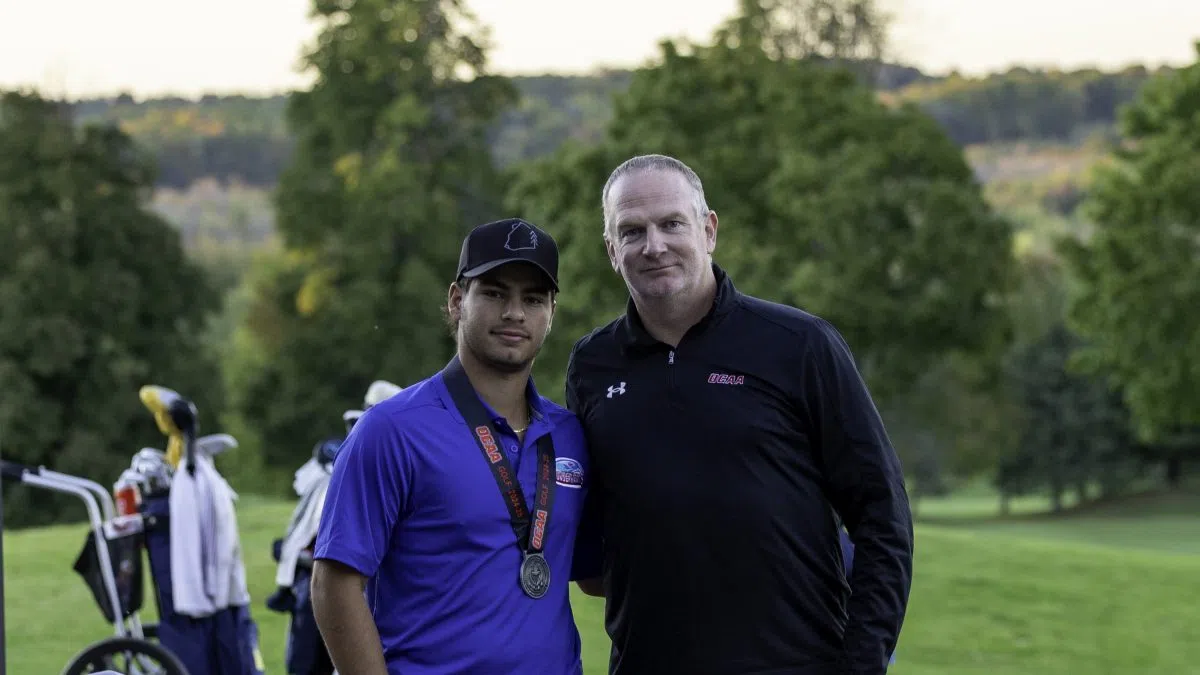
[{"x": 413, "y": 506}]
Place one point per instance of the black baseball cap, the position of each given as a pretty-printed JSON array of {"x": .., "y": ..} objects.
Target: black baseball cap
[{"x": 491, "y": 245}]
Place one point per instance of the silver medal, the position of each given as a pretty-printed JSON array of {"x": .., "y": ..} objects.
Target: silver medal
[{"x": 535, "y": 575}]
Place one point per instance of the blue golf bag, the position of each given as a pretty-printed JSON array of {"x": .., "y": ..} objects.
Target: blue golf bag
[
  {"x": 187, "y": 513},
  {"x": 304, "y": 649},
  {"x": 224, "y": 643},
  {"x": 304, "y": 652}
]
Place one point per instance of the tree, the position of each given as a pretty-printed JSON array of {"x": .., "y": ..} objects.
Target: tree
[
  {"x": 1075, "y": 431},
  {"x": 96, "y": 300},
  {"x": 390, "y": 169},
  {"x": 845, "y": 31},
  {"x": 1139, "y": 272},
  {"x": 827, "y": 200}
]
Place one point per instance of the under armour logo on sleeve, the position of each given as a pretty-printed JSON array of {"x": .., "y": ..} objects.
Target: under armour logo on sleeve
[{"x": 619, "y": 389}]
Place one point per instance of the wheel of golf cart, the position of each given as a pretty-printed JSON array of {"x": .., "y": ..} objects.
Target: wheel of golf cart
[{"x": 128, "y": 656}]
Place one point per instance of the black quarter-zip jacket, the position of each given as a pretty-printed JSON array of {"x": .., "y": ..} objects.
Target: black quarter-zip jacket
[{"x": 720, "y": 470}]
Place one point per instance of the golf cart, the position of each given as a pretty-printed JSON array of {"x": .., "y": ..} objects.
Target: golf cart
[{"x": 111, "y": 566}]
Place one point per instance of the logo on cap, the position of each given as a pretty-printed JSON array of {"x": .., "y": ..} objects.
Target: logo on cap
[{"x": 521, "y": 237}]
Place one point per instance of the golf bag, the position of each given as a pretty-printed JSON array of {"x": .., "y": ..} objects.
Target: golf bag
[
  {"x": 190, "y": 532},
  {"x": 304, "y": 652},
  {"x": 221, "y": 639},
  {"x": 222, "y": 643}
]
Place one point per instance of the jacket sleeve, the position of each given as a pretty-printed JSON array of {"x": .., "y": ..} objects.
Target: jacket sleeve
[
  {"x": 587, "y": 560},
  {"x": 865, "y": 483},
  {"x": 571, "y": 386}
]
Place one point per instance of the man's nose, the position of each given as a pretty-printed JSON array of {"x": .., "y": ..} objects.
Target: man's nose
[
  {"x": 655, "y": 243},
  {"x": 514, "y": 310}
]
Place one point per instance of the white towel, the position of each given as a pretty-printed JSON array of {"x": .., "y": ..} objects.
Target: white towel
[
  {"x": 309, "y": 474},
  {"x": 311, "y": 483},
  {"x": 207, "y": 571}
]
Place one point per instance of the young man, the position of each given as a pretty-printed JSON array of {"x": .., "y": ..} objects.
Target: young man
[
  {"x": 727, "y": 435},
  {"x": 454, "y": 504}
]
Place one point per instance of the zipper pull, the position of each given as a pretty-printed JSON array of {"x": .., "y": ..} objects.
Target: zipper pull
[{"x": 671, "y": 357}]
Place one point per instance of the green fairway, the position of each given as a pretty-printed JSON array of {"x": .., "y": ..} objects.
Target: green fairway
[
  {"x": 1053, "y": 596},
  {"x": 1002, "y": 604},
  {"x": 1157, "y": 521}
]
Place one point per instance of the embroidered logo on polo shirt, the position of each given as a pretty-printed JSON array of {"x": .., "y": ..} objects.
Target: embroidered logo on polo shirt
[
  {"x": 568, "y": 472},
  {"x": 722, "y": 378}
]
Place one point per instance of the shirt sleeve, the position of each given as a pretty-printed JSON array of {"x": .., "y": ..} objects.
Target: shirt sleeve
[
  {"x": 865, "y": 483},
  {"x": 588, "y": 558},
  {"x": 366, "y": 497},
  {"x": 571, "y": 384}
]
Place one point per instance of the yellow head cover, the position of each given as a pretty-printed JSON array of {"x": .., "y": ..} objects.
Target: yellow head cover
[{"x": 159, "y": 400}]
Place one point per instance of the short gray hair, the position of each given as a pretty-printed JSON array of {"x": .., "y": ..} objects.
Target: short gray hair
[{"x": 653, "y": 163}]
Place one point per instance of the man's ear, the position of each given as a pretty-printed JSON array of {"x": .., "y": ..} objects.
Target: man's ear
[
  {"x": 710, "y": 231},
  {"x": 612, "y": 253},
  {"x": 454, "y": 299}
]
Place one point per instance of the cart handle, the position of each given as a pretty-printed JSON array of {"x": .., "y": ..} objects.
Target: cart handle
[{"x": 15, "y": 471}]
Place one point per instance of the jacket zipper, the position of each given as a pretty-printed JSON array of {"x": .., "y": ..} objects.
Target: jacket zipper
[{"x": 671, "y": 377}]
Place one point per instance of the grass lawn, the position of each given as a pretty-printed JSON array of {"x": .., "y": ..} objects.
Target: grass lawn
[
  {"x": 1095, "y": 594},
  {"x": 1167, "y": 522}
]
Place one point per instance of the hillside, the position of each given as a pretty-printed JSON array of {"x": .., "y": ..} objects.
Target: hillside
[
  {"x": 246, "y": 139},
  {"x": 1032, "y": 136}
]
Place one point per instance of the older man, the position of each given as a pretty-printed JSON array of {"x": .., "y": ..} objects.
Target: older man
[{"x": 729, "y": 436}]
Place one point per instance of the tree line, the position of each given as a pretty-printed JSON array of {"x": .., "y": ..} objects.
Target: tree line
[
  {"x": 1067, "y": 365},
  {"x": 247, "y": 139}
]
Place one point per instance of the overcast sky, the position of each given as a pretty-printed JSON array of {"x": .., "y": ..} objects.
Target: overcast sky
[{"x": 151, "y": 47}]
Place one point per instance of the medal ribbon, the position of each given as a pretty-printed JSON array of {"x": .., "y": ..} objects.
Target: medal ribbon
[{"x": 530, "y": 531}]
